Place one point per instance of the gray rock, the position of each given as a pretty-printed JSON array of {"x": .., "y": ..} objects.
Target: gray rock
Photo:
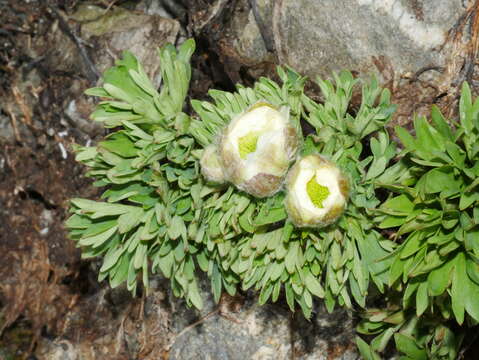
[
  {"x": 240, "y": 329},
  {"x": 318, "y": 37},
  {"x": 119, "y": 29},
  {"x": 248, "y": 31}
]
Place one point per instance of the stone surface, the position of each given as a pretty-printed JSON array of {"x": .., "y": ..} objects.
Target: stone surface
[
  {"x": 248, "y": 40},
  {"x": 419, "y": 49},
  {"x": 318, "y": 37},
  {"x": 119, "y": 29},
  {"x": 238, "y": 329}
]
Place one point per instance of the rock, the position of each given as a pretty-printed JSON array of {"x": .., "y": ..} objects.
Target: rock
[
  {"x": 238, "y": 328},
  {"x": 318, "y": 37},
  {"x": 118, "y": 29},
  {"x": 419, "y": 49},
  {"x": 248, "y": 40}
]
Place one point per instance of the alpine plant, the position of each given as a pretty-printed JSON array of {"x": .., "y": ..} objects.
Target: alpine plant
[{"x": 235, "y": 189}]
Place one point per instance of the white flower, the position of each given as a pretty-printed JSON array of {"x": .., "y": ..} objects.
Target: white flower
[
  {"x": 257, "y": 148},
  {"x": 211, "y": 166},
  {"x": 317, "y": 192}
]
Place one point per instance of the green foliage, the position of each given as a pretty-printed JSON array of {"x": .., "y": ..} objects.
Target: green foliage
[
  {"x": 158, "y": 214},
  {"x": 153, "y": 196},
  {"x": 350, "y": 251},
  {"x": 436, "y": 213},
  {"x": 425, "y": 337}
]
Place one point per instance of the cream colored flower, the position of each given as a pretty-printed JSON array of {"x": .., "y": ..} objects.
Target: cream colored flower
[
  {"x": 257, "y": 148},
  {"x": 211, "y": 167},
  {"x": 317, "y": 192}
]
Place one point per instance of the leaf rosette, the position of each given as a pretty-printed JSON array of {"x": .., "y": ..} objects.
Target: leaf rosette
[{"x": 203, "y": 191}]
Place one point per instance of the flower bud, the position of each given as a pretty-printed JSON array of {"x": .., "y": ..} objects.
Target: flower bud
[
  {"x": 257, "y": 148},
  {"x": 317, "y": 192},
  {"x": 211, "y": 167}
]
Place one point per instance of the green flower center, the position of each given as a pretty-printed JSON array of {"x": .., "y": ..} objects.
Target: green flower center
[
  {"x": 247, "y": 144},
  {"x": 316, "y": 192}
]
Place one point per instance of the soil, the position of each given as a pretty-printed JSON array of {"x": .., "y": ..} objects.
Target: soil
[{"x": 46, "y": 290}]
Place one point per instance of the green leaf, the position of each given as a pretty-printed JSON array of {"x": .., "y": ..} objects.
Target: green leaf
[
  {"x": 422, "y": 300},
  {"x": 140, "y": 255},
  {"x": 111, "y": 258},
  {"x": 216, "y": 283},
  {"x": 86, "y": 153},
  {"x": 406, "y": 138},
  {"x": 265, "y": 294},
  {"x": 467, "y": 199},
  {"x": 118, "y": 143},
  {"x": 166, "y": 264},
  {"x": 412, "y": 245},
  {"x": 313, "y": 285},
  {"x": 399, "y": 204},
  {"x": 194, "y": 295},
  {"x": 366, "y": 352},
  {"x": 97, "y": 91},
  {"x": 78, "y": 222},
  {"x": 473, "y": 270},
  {"x": 291, "y": 257},
  {"x": 459, "y": 287},
  {"x": 408, "y": 346},
  {"x": 289, "y": 295},
  {"x": 392, "y": 221},
  {"x": 427, "y": 137},
  {"x": 121, "y": 272},
  {"x": 465, "y": 107},
  {"x": 129, "y": 220},
  {"x": 100, "y": 238},
  {"x": 177, "y": 228},
  {"x": 438, "y": 180},
  {"x": 456, "y": 153},
  {"x": 440, "y": 278},
  {"x": 471, "y": 298},
  {"x": 380, "y": 342},
  {"x": 245, "y": 220},
  {"x": 271, "y": 216},
  {"x": 441, "y": 124},
  {"x": 377, "y": 168}
]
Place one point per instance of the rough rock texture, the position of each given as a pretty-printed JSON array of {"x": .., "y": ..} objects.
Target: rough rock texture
[
  {"x": 110, "y": 324},
  {"x": 248, "y": 40},
  {"x": 118, "y": 30},
  {"x": 238, "y": 328},
  {"x": 318, "y": 37},
  {"x": 421, "y": 50}
]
